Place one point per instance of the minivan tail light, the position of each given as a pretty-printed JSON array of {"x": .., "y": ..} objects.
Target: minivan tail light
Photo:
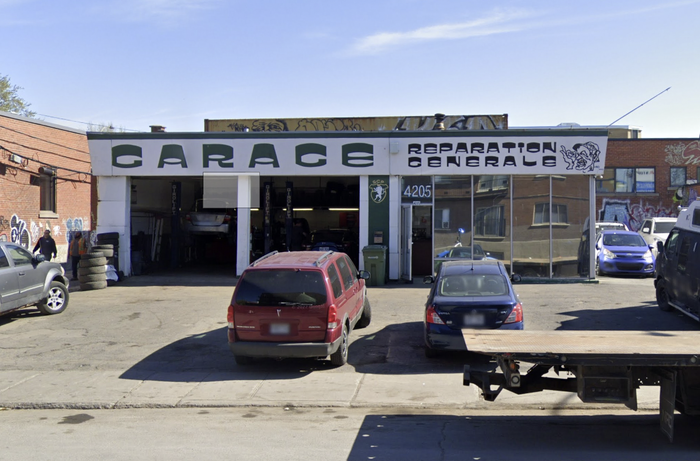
[
  {"x": 516, "y": 315},
  {"x": 332, "y": 317},
  {"x": 431, "y": 316},
  {"x": 229, "y": 316}
]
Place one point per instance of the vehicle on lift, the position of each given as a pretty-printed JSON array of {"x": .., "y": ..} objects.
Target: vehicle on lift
[
  {"x": 678, "y": 265},
  {"x": 210, "y": 217},
  {"x": 297, "y": 304},
  {"x": 468, "y": 294},
  {"x": 27, "y": 280}
]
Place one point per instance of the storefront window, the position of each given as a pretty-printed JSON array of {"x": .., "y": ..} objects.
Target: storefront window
[
  {"x": 530, "y": 242},
  {"x": 453, "y": 212},
  {"x": 570, "y": 251}
]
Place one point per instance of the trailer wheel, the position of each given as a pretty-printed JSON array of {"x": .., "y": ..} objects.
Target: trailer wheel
[{"x": 662, "y": 297}]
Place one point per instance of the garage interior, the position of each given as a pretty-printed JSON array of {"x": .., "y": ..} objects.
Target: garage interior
[{"x": 159, "y": 240}]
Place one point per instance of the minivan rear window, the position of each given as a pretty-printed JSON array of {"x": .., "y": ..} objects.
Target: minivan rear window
[{"x": 281, "y": 288}]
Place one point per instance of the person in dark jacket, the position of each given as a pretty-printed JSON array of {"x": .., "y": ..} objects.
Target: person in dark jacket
[{"x": 46, "y": 245}]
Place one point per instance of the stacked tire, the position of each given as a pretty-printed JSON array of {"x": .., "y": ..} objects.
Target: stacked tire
[
  {"x": 106, "y": 242},
  {"x": 91, "y": 271}
]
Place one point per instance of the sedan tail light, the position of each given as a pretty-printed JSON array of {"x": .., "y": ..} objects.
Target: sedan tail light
[
  {"x": 332, "y": 317},
  {"x": 188, "y": 218},
  {"x": 431, "y": 316},
  {"x": 227, "y": 218},
  {"x": 516, "y": 315}
]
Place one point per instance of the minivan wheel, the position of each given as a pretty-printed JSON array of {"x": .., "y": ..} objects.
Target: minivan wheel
[
  {"x": 340, "y": 357},
  {"x": 662, "y": 297},
  {"x": 57, "y": 300},
  {"x": 366, "y": 317}
]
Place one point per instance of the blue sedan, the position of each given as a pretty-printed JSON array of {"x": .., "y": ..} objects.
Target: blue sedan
[
  {"x": 468, "y": 294},
  {"x": 623, "y": 252}
]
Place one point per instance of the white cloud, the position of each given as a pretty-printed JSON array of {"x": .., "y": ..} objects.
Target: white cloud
[{"x": 498, "y": 22}]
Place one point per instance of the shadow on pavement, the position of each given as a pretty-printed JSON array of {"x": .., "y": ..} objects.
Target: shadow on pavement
[
  {"x": 396, "y": 349},
  {"x": 547, "y": 437},
  {"x": 644, "y": 317}
]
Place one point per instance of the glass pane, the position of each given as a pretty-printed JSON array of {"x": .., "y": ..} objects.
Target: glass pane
[
  {"x": 492, "y": 219},
  {"x": 624, "y": 180},
  {"x": 677, "y": 176},
  {"x": 607, "y": 184},
  {"x": 569, "y": 242},
  {"x": 530, "y": 243},
  {"x": 452, "y": 212}
]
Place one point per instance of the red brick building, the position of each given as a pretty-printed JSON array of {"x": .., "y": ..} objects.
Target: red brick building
[
  {"x": 45, "y": 182},
  {"x": 647, "y": 178}
]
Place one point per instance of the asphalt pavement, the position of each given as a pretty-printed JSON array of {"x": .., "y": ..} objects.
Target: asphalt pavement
[{"x": 159, "y": 341}]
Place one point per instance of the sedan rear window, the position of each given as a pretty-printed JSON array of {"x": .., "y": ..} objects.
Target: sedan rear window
[
  {"x": 281, "y": 288},
  {"x": 473, "y": 285}
]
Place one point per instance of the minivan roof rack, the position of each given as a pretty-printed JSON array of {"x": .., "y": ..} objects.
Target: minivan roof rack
[
  {"x": 260, "y": 259},
  {"x": 321, "y": 258}
]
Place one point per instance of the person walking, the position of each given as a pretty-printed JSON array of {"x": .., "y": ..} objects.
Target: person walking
[
  {"x": 78, "y": 247},
  {"x": 46, "y": 245}
]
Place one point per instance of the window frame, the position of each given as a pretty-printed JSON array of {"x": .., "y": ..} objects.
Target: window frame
[
  {"x": 481, "y": 226},
  {"x": 670, "y": 175},
  {"x": 611, "y": 175},
  {"x": 546, "y": 209}
]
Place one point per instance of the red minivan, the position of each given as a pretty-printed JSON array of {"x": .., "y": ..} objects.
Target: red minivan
[{"x": 297, "y": 304}]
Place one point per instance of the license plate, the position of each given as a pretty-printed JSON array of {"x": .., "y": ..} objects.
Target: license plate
[
  {"x": 474, "y": 320},
  {"x": 279, "y": 328},
  {"x": 324, "y": 248}
]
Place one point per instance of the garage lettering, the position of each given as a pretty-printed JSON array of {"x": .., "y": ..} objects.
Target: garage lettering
[{"x": 221, "y": 156}]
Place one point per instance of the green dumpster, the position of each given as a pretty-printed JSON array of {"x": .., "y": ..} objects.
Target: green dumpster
[{"x": 375, "y": 263}]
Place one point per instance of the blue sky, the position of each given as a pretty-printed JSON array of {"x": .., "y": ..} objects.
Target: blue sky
[{"x": 135, "y": 63}]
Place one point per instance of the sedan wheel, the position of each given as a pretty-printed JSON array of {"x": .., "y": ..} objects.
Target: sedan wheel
[{"x": 57, "y": 300}]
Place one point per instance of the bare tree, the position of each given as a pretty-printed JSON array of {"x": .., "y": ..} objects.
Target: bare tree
[{"x": 9, "y": 99}]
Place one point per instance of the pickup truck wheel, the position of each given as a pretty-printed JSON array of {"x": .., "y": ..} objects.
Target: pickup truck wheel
[
  {"x": 340, "y": 357},
  {"x": 662, "y": 297},
  {"x": 57, "y": 300},
  {"x": 366, "y": 317}
]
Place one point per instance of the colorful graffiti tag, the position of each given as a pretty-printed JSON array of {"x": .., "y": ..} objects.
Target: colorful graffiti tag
[{"x": 631, "y": 214}]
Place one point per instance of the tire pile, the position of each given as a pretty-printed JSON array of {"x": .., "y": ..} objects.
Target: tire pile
[
  {"x": 91, "y": 271},
  {"x": 92, "y": 268}
]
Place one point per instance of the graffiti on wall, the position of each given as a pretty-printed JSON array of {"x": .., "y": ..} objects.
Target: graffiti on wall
[
  {"x": 683, "y": 154},
  {"x": 19, "y": 233},
  {"x": 631, "y": 214},
  {"x": 439, "y": 121}
]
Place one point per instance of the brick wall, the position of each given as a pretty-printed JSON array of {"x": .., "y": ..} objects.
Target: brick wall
[
  {"x": 660, "y": 154},
  {"x": 25, "y": 146}
]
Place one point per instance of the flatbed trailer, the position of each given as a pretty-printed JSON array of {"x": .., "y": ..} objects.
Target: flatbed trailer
[{"x": 607, "y": 366}]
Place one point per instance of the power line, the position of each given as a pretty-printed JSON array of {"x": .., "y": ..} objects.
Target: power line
[
  {"x": 639, "y": 106},
  {"x": 84, "y": 123}
]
